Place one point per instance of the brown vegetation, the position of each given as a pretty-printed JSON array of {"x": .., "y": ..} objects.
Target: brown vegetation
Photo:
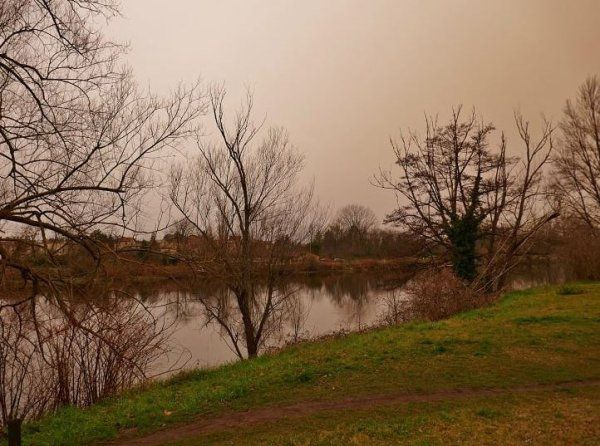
[
  {"x": 432, "y": 295},
  {"x": 49, "y": 359}
]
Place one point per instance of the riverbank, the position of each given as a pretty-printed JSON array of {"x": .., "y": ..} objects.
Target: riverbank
[
  {"x": 128, "y": 272},
  {"x": 140, "y": 272},
  {"x": 526, "y": 368}
]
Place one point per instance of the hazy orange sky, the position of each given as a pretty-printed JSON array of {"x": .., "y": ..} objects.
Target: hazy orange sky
[{"x": 344, "y": 75}]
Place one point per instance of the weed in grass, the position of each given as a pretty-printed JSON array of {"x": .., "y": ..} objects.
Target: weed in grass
[
  {"x": 426, "y": 326},
  {"x": 485, "y": 347},
  {"x": 488, "y": 413},
  {"x": 305, "y": 376},
  {"x": 550, "y": 319},
  {"x": 408, "y": 426},
  {"x": 445, "y": 416},
  {"x": 440, "y": 348},
  {"x": 569, "y": 390},
  {"x": 570, "y": 290}
]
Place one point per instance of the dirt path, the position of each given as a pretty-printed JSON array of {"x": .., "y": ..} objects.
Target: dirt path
[{"x": 251, "y": 417}]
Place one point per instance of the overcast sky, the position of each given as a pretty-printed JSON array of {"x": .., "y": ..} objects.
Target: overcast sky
[{"x": 344, "y": 75}]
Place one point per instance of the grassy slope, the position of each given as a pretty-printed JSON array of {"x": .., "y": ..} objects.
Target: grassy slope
[
  {"x": 535, "y": 336},
  {"x": 559, "y": 417}
]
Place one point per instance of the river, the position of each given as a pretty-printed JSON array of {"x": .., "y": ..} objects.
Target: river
[{"x": 328, "y": 304}]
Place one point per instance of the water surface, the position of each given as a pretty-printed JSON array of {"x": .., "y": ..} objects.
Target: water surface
[{"x": 330, "y": 304}]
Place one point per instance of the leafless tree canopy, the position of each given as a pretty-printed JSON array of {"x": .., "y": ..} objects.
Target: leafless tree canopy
[
  {"x": 578, "y": 159},
  {"x": 355, "y": 218},
  {"x": 77, "y": 146},
  {"x": 76, "y": 137},
  {"x": 243, "y": 196},
  {"x": 457, "y": 192}
]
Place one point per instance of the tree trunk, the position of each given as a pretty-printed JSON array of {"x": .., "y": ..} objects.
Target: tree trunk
[
  {"x": 14, "y": 432},
  {"x": 463, "y": 236},
  {"x": 249, "y": 328},
  {"x": 252, "y": 348}
]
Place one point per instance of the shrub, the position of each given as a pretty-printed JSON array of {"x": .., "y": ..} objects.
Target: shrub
[
  {"x": 438, "y": 293},
  {"x": 394, "y": 308}
]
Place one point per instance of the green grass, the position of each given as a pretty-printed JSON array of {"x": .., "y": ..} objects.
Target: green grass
[
  {"x": 529, "y": 337},
  {"x": 535, "y": 418}
]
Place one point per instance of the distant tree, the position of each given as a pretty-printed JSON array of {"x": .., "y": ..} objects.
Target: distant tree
[
  {"x": 103, "y": 237},
  {"x": 479, "y": 205},
  {"x": 578, "y": 158},
  {"x": 351, "y": 230},
  {"x": 180, "y": 231},
  {"x": 355, "y": 219},
  {"x": 315, "y": 243}
]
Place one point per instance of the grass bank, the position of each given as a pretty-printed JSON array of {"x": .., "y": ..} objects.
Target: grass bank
[{"x": 529, "y": 338}]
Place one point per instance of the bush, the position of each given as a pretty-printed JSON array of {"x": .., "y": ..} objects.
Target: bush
[
  {"x": 395, "y": 308},
  {"x": 438, "y": 293}
]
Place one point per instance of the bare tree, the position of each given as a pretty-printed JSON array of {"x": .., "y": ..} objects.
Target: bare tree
[
  {"x": 578, "y": 159},
  {"x": 355, "y": 218},
  {"x": 352, "y": 231},
  {"x": 180, "y": 231},
  {"x": 393, "y": 308},
  {"x": 296, "y": 313},
  {"x": 76, "y": 137},
  {"x": 477, "y": 204},
  {"x": 78, "y": 146},
  {"x": 243, "y": 196}
]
